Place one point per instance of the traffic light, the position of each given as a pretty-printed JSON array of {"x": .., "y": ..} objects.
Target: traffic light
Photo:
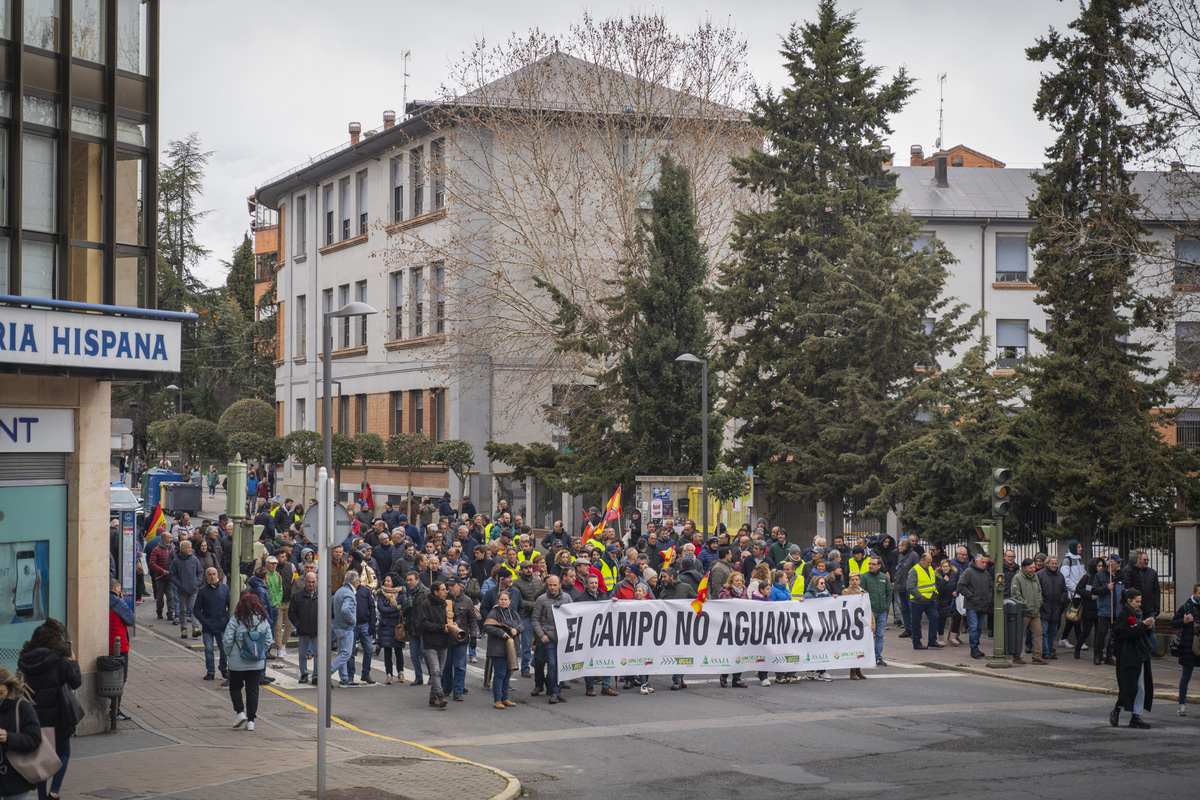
[{"x": 1001, "y": 491}]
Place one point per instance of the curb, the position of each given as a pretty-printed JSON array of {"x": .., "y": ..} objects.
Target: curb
[
  {"x": 1077, "y": 687},
  {"x": 512, "y": 786}
]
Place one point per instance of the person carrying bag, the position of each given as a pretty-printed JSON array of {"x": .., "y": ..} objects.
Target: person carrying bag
[{"x": 27, "y": 754}]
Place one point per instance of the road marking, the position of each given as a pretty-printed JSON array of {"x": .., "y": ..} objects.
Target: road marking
[{"x": 356, "y": 729}]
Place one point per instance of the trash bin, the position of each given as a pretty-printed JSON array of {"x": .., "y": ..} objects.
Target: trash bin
[
  {"x": 180, "y": 497},
  {"x": 1014, "y": 635},
  {"x": 110, "y": 676}
]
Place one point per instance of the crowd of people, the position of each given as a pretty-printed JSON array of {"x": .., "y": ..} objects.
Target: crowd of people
[{"x": 436, "y": 587}]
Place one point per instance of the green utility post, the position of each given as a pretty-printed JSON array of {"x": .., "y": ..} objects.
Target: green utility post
[
  {"x": 235, "y": 508},
  {"x": 1000, "y": 507}
]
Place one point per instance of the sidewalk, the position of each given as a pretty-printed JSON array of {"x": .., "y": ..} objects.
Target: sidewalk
[
  {"x": 1062, "y": 673},
  {"x": 180, "y": 743}
]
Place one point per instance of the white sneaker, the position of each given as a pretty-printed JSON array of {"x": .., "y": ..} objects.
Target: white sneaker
[
  {"x": 647, "y": 689},
  {"x": 1064, "y": 643},
  {"x": 811, "y": 675},
  {"x": 765, "y": 682},
  {"x": 1182, "y": 710},
  {"x": 1083, "y": 647},
  {"x": 824, "y": 676},
  {"x": 249, "y": 724},
  {"x": 241, "y": 719}
]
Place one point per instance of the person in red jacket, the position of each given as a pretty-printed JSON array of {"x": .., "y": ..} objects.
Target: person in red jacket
[
  {"x": 120, "y": 618},
  {"x": 158, "y": 562}
]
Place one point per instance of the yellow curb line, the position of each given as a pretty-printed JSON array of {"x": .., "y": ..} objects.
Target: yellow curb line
[{"x": 511, "y": 790}]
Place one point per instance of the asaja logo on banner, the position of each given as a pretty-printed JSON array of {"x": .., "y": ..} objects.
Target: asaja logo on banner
[
  {"x": 601, "y": 663},
  {"x": 714, "y": 662}
]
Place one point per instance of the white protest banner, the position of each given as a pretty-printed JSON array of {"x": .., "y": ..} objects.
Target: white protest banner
[{"x": 642, "y": 637}]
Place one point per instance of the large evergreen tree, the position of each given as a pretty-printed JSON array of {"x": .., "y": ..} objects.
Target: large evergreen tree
[
  {"x": 239, "y": 283},
  {"x": 823, "y": 309},
  {"x": 1093, "y": 451}
]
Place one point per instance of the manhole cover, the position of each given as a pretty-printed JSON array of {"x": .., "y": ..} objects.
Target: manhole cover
[
  {"x": 379, "y": 761},
  {"x": 534, "y": 777}
]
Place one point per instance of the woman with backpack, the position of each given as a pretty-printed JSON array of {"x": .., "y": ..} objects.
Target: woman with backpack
[{"x": 246, "y": 639}]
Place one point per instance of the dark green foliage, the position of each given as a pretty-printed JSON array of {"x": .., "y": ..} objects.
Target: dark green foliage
[
  {"x": 248, "y": 416},
  {"x": 200, "y": 437},
  {"x": 410, "y": 451},
  {"x": 370, "y": 448},
  {"x": 307, "y": 448},
  {"x": 459, "y": 457},
  {"x": 823, "y": 309},
  {"x": 344, "y": 451},
  {"x": 726, "y": 484},
  {"x": 239, "y": 283},
  {"x": 1092, "y": 451}
]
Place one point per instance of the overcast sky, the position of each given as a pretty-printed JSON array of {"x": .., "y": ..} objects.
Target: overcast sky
[{"x": 269, "y": 83}]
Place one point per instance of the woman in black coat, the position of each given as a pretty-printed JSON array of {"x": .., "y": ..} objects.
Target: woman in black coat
[
  {"x": 1089, "y": 616},
  {"x": 1185, "y": 620},
  {"x": 20, "y": 732},
  {"x": 1132, "y": 647},
  {"x": 47, "y": 663}
]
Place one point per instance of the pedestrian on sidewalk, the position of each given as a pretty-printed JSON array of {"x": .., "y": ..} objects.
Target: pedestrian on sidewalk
[
  {"x": 1073, "y": 571},
  {"x": 1027, "y": 589},
  {"x": 434, "y": 625},
  {"x": 1102, "y": 589},
  {"x": 187, "y": 578},
  {"x": 1185, "y": 620},
  {"x": 391, "y": 602},
  {"x": 120, "y": 618},
  {"x": 876, "y": 583},
  {"x": 922, "y": 585},
  {"x": 48, "y": 663},
  {"x": 975, "y": 587},
  {"x": 20, "y": 732},
  {"x": 345, "y": 619},
  {"x": 1131, "y": 642},
  {"x": 503, "y": 623},
  {"x": 212, "y": 478},
  {"x": 246, "y": 638},
  {"x": 303, "y": 615},
  {"x": 212, "y": 612},
  {"x": 1089, "y": 616}
]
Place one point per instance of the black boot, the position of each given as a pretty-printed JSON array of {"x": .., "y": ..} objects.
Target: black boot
[
  {"x": 1114, "y": 717},
  {"x": 1136, "y": 722}
]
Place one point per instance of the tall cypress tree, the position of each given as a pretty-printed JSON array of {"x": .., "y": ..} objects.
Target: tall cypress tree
[
  {"x": 823, "y": 309},
  {"x": 1092, "y": 448}
]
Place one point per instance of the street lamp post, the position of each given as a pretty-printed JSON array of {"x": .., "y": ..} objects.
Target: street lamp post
[
  {"x": 325, "y": 539},
  {"x": 691, "y": 359},
  {"x": 180, "y": 390}
]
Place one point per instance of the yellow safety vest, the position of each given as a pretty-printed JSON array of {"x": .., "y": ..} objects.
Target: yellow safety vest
[
  {"x": 926, "y": 584},
  {"x": 510, "y": 570},
  {"x": 609, "y": 573},
  {"x": 798, "y": 587},
  {"x": 522, "y": 556},
  {"x": 859, "y": 567}
]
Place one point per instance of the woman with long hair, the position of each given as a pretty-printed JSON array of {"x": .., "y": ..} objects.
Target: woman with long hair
[
  {"x": 207, "y": 558},
  {"x": 20, "y": 732},
  {"x": 1132, "y": 644},
  {"x": 246, "y": 638},
  {"x": 391, "y": 600},
  {"x": 734, "y": 589},
  {"x": 47, "y": 663}
]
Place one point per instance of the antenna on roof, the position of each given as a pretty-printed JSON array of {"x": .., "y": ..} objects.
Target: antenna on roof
[
  {"x": 407, "y": 54},
  {"x": 941, "y": 107}
]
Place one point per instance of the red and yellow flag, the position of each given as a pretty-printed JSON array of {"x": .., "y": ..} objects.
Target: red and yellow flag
[
  {"x": 156, "y": 520},
  {"x": 589, "y": 530},
  {"x": 668, "y": 557},
  {"x": 613, "y": 509},
  {"x": 701, "y": 594}
]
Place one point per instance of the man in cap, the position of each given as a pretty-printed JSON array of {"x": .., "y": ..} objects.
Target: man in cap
[{"x": 530, "y": 586}]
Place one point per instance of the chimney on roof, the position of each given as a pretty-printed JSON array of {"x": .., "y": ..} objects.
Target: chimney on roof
[
  {"x": 940, "y": 177},
  {"x": 916, "y": 155},
  {"x": 355, "y": 131},
  {"x": 389, "y": 119},
  {"x": 887, "y": 156}
]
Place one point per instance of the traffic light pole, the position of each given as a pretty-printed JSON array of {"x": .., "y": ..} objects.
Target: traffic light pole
[{"x": 996, "y": 545}]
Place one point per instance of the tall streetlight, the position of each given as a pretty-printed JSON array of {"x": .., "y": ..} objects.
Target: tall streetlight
[
  {"x": 691, "y": 359},
  {"x": 179, "y": 389},
  {"x": 326, "y": 530}
]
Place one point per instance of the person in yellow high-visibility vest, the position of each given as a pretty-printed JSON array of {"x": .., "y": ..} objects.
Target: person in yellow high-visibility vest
[
  {"x": 795, "y": 580},
  {"x": 922, "y": 590},
  {"x": 858, "y": 563}
]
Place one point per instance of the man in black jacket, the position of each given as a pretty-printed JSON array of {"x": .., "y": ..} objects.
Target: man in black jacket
[
  {"x": 364, "y": 630},
  {"x": 1055, "y": 597},
  {"x": 417, "y": 594},
  {"x": 303, "y": 615},
  {"x": 434, "y": 625},
  {"x": 211, "y": 609},
  {"x": 1138, "y": 575},
  {"x": 975, "y": 587}
]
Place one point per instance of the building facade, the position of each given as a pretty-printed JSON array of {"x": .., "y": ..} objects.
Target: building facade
[{"x": 78, "y": 151}]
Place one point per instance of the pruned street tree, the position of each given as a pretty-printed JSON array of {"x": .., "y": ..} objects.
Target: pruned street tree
[
  {"x": 409, "y": 452},
  {"x": 344, "y": 451},
  {"x": 459, "y": 458},
  {"x": 370, "y": 448}
]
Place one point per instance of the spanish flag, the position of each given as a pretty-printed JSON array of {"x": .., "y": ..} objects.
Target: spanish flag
[
  {"x": 701, "y": 594},
  {"x": 156, "y": 520},
  {"x": 589, "y": 530},
  {"x": 613, "y": 509},
  {"x": 668, "y": 556}
]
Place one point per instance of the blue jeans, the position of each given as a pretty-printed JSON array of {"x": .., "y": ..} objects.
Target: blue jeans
[
  {"x": 1049, "y": 634},
  {"x": 416, "y": 652},
  {"x": 605, "y": 682},
  {"x": 62, "y": 746},
  {"x": 526, "y": 644},
  {"x": 1183, "y": 684},
  {"x": 454, "y": 676},
  {"x": 917, "y": 611},
  {"x": 880, "y": 628},
  {"x": 974, "y": 624},
  {"x": 363, "y": 638},
  {"x": 906, "y": 612},
  {"x": 306, "y": 644},
  {"x": 547, "y": 655},
  {"x": 213, "y": 641},
  {"x": 500, "y": 675},
  {"x": 345, "y": 643}
]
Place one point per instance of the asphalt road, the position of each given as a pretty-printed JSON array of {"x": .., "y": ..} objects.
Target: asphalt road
[{"x": 905, "y": 732}]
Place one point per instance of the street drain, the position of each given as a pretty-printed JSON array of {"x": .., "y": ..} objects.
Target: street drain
[
  {"x": 534, "y": 777},
  {"x": 379, "y": 761}
]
